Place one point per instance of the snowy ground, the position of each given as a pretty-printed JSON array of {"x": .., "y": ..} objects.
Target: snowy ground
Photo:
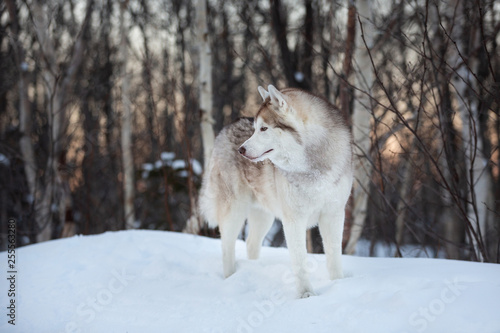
[{"x": 151, "y": 281}]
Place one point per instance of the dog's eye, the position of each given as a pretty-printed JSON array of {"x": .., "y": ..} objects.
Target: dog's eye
[{"x": 263, "y": 129}]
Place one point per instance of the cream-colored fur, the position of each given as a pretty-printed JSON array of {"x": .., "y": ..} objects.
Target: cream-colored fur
[{"x": 293, "y": 163}]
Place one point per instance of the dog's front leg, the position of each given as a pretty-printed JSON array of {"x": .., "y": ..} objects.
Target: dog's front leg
[
  {"x": 331, "y": 227},
  {"x": 228, "y": 257},
  {"x": 295, "y": 234}
]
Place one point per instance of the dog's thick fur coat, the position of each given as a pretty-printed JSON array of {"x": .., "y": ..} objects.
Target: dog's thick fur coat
[{"x": 292, "y": 162}]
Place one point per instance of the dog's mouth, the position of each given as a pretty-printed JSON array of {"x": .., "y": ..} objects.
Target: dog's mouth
[{"x": 254, "y": 158}]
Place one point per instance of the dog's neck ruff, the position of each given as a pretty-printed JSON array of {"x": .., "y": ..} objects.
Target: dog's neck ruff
[
  {"x": 301, "y": 178},
  {"x": 296, "y": 172}
]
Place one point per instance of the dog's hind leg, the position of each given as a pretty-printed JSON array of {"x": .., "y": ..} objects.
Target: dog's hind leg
[
  {"x": 259, "y": 223},
  {"x": 230, "y": 228},
  {"x": 331, "y": 227}
]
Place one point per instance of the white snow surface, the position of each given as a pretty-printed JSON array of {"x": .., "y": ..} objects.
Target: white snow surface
[{"x": 154, "y": 281}]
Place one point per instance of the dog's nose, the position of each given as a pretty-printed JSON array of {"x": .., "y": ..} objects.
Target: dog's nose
[{"x": 242, "y": 150}]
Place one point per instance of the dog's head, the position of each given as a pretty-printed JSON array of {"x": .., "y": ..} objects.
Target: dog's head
[{"x": 276, "y": 129}]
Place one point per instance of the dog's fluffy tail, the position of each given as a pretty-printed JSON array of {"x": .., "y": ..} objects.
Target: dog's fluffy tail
[
  {"x": 215, "y": 195},
  {"x": 222, "y": 183},
  {"x": 208, "y": 201}
]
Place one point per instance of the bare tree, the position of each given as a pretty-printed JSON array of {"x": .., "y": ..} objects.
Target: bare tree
[
  {"x": 345, "y": 89},
  {"x": 478, "y": 178},
  {"x": 417, "y": 80},
  {"x": 362, "y": 114},
  {"x": 25, "y": 116},
  {"x": 298, "y": 74},
  {"x": 57, "y": 85},
  {"x": 206, "y": 101},
  {"x": 126, "y": 137},
  {"x": 205, "y": 80}
]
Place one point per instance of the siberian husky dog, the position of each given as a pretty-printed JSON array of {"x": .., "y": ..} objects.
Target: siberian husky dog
[{"x": 293, "y": 162}]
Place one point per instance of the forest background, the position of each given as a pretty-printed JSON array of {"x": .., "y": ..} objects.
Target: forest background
[{"x": 108, "y": 111}]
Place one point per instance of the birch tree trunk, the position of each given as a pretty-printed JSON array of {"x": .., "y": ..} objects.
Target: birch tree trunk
[
  {"x": 361, "y": 128},
  {"x": 126, "y": 133},
  {"x": 205, "y": 90},
  {"x": 205, "y": 81}
]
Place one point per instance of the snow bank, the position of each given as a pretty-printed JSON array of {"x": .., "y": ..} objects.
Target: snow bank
[{"x": 152, "y": 281}]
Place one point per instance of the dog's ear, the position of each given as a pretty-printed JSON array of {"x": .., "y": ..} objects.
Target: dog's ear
[
  {"x": 277, "y": 96},
  {"x": 263, "y": 93}
]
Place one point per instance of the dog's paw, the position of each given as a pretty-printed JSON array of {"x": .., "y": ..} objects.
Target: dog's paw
[
  {"x": 307, "y": 294},
  {"x": 336, "y": 276},
  {"x": 228, "y": 271}
]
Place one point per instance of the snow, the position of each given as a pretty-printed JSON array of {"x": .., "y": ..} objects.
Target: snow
[
  {"x": 182, "y": 174},
  {"x": 197, "y": 168},
  {"x": 178, "y": 164},
  {"x": 299, "y": 76},
  {"x": 154, "y": 281},
  {"x": 147, "y": 167},
  {"x": 167, "y": 156},
  {"x": 158, "y": 164},
  {"x": 4, "y": 160},
  {"x": 181, "y": 164}
]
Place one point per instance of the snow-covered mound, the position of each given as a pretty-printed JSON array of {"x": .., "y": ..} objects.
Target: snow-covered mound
[{"x": 151, "y": 281}]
